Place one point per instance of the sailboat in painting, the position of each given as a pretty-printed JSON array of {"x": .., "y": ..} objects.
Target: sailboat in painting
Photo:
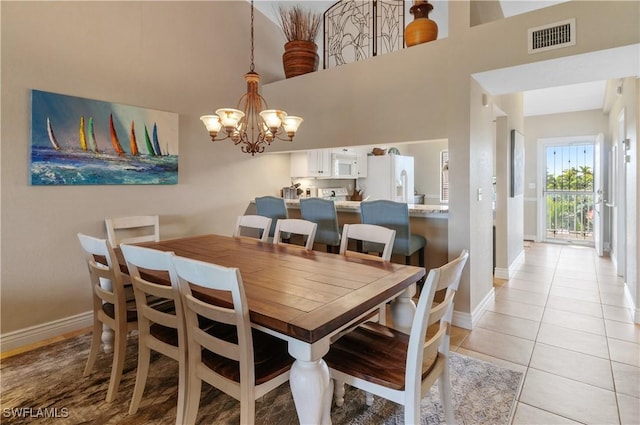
[
  {"x": 93, "y": 144},
  {"x": 147, "y": 140},
  {"x": 132, "y": 141},
  {"x": 82, "y": 135},
  {"x": 52, "y": 136},
  {"x": 156, "y": 143},
  {"x": 114, "y": 137}
]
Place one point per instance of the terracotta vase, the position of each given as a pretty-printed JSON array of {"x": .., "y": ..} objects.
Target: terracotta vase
[
  {"x": 422, "y": 29},
  {"x": 300, "y": 57}
]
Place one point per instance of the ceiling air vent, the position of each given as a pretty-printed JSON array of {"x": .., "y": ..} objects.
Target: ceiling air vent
[{"x": 552, "y": 36}]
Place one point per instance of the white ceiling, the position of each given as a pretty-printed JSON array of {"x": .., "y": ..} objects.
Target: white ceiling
[{"x": 563, "y": 85}]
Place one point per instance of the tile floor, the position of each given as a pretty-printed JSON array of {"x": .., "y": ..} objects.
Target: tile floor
[{"x": 563, "y": 321}]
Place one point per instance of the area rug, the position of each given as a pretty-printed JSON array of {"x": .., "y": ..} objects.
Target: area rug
[{"x": 46, "y": 386}]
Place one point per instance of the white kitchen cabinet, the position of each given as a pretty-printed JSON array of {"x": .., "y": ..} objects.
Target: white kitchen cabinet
[
  {"x": 362, "y": 163},
  {"x": 313, "y": 163}
]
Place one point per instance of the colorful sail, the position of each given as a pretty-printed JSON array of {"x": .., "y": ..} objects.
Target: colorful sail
[
  {"x": 52, "y": 137},
  {"x": 156, "y": 144},
  {"x": 114, "y": 137},
  {"x": 93, "y": 144},
  {"x": 132, "y": 141},
  {"x": 148, "y": 142},
  {"x": 82, "y": 134}
]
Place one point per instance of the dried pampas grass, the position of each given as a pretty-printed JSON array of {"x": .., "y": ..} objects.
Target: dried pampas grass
[{"x": 299, "y": 24}]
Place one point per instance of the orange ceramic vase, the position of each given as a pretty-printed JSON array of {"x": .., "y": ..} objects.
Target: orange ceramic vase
[
  {"x": 299, "y": 58},
  {"x": 422, "y": 29}
]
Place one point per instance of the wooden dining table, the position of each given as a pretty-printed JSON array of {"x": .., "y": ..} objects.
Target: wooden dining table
[{"x": 306, "y": 298}]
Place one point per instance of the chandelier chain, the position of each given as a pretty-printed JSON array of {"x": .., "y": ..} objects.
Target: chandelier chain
[{"x": 251, "y": 68}]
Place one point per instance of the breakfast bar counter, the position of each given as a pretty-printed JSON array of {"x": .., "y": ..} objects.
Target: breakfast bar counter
[
  {"x": 415, "y": 210},
  {"x": 430, "y": 221}
]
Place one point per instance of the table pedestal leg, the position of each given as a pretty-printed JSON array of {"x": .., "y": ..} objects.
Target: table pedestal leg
[
  {"x": 312, "y": 390},
  {"x": 403, "y": 309},
  {"x": 107, "y": 338}
]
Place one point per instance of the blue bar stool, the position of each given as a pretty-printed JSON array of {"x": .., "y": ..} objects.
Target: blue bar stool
[
  {"x": 323, "y": 213},
  {"x": 272, "y": 207},
  {"x": 395, "y": 215}
]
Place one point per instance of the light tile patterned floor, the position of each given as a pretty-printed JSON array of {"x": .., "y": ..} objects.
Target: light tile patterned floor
[{"x": 564, "y": 321}]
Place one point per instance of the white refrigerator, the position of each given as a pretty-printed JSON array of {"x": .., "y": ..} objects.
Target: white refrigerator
[{"x": 388, "y": 177}]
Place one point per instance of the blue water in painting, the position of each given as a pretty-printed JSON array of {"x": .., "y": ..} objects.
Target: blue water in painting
[{"x": 77, "y": 167}]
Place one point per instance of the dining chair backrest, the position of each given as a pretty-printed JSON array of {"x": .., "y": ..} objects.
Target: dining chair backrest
[
  {"x": 160, "y": 318},
  {"x": 446, "y": 277},
  {"x": 323, "y": 213},
  {"x": 368, "y": 233},
  {"x": 394, "y": 215},
  {"x": 258, "y": 223},
  {"x": 223, "y": 354},
  {"x": 272, "y": 207},
  {"x": 107, "y": 280},
  {"x": 133, "y": 229},
  {"x": 295, "y": 226},
  {"x": 110, "y": 307}
]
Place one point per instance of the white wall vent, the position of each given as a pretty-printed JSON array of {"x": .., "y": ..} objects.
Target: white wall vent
[{"x": 552, "y": 36}]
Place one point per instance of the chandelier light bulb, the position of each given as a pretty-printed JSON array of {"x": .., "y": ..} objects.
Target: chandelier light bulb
[
  {"x": 230, "y": 117},
  {"x": 213, "y": 124},
  {"x": 273, "y": 118},
  {"x": 291, "y": 124}
]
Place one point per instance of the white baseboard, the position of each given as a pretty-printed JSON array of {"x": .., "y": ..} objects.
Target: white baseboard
[
  {"x": 533, "y": 238},
  {"x": 502, "y": 273},
  {"x": 33, "y": 334},
  {"x": 634, "y": 307},
  {"x": 469, "y": 321}
]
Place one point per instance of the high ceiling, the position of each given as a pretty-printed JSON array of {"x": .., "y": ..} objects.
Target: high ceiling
[{"x": 546, "y": 97}]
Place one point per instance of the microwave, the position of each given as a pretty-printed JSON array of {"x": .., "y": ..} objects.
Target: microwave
[{"x": 344, "y": 166}]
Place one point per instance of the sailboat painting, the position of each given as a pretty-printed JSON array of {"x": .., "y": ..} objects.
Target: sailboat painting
[{"x": 79, "y": 141}]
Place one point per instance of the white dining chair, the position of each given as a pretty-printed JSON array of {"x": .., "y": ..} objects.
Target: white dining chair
[
  {"x": 133, "y": 229},
  {"x": 257, "y": 223},
  {"x": 372, "y": 233},
  {"x": 368, "y": 233},
  {"x": 110, "y": 307},
  {"x": 160, "y": 322},
  {"x": 287, "y": 227},
  {"x": 400, "y": 367},
  {"x": 243, "y": 363}
]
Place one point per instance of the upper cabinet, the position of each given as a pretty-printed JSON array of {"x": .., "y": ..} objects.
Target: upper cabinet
[
  {"x": 314, "y": 163},
  {"x": 362, "y": 161},
  {"x": 330, "y": 163}
]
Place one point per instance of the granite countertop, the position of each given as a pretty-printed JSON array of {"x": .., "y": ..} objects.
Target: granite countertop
[{"x": 415, "y": 210}]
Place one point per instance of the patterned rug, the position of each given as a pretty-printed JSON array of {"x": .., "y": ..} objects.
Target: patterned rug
[{"x": 46, "y": 386}]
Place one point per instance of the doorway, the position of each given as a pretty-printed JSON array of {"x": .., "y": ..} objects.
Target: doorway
[{"x": 568, "y": 195}]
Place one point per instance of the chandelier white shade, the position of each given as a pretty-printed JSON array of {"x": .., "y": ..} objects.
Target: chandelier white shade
[{"x": 251, "y": 124}]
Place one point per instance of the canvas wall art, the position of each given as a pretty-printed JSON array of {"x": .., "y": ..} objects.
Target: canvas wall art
[{"x": 79, "y": 141}]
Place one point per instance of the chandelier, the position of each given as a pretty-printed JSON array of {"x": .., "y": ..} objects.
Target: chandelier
[{"x": 251, "y": 124}]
